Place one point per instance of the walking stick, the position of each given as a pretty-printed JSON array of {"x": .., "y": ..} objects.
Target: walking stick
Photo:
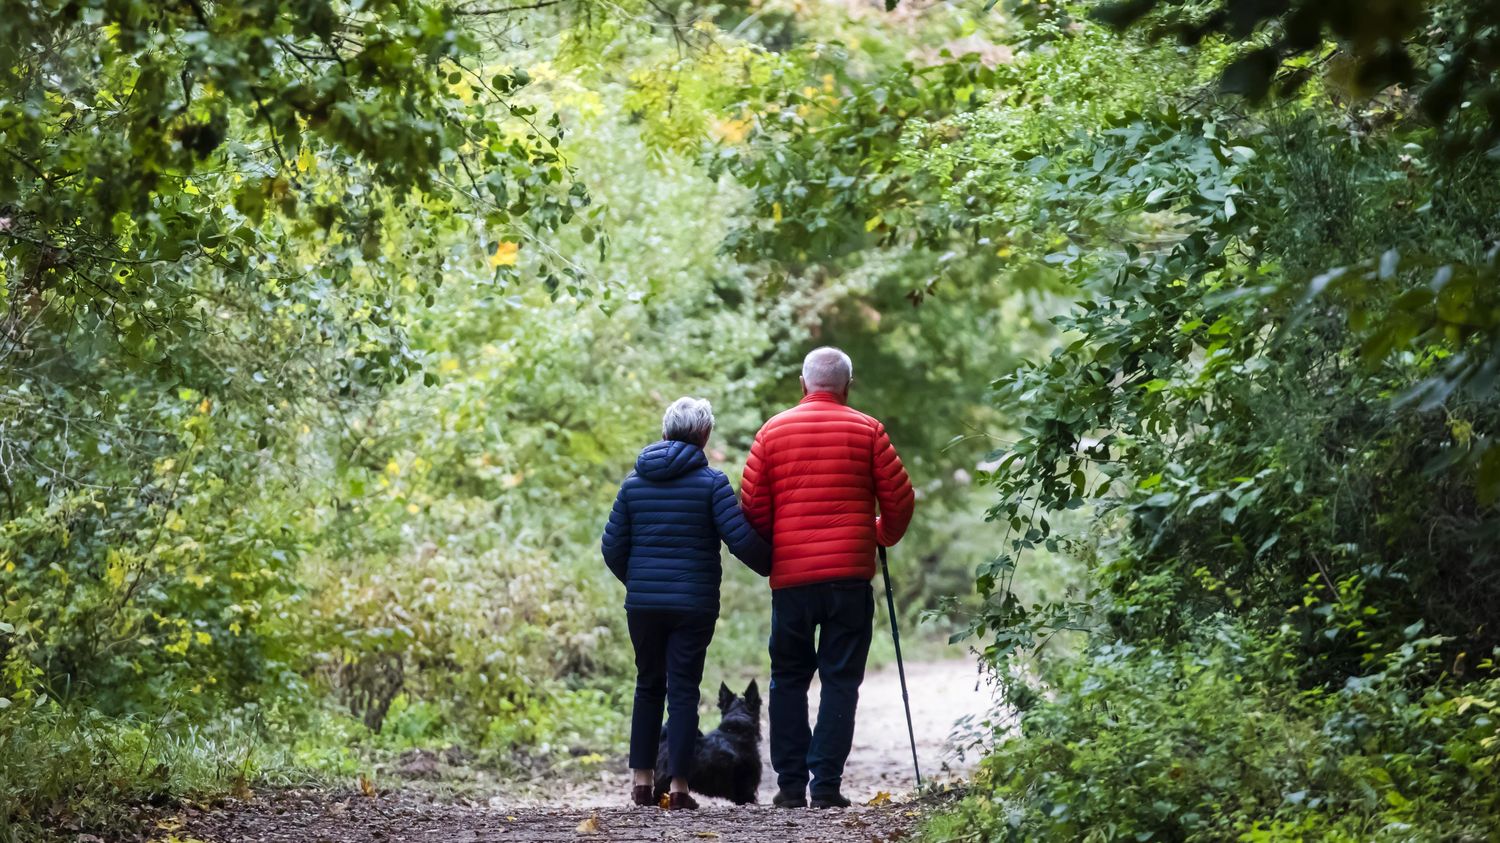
[{"x": 890, "y": 605}]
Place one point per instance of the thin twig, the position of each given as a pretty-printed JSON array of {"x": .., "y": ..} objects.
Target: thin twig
[{"x": 506, "y": 10}]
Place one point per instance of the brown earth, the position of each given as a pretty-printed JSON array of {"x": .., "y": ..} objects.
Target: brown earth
[{"x": 878, "y": 777}]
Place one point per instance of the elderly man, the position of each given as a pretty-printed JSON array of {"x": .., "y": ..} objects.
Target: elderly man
[{"x": 825, "y": 484}]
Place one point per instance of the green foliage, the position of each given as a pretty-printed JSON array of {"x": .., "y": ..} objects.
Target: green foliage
[
  {"x": 322, "y": 365},
  {"x": 1161, "y": 407},
  {"x": 1264, "y": 385},
  {"x": 1446, "y": 50},
  {"x": 148, "y": 142},
  {"x": 1264, "y": 427},
  {"x": 76, "y": 769},
  {"x": 1218, "y": 737},
  {"x": 170, "y": 329}
]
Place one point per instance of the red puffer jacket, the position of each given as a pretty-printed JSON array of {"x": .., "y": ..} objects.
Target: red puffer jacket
[{"x": 815, "y": 476}]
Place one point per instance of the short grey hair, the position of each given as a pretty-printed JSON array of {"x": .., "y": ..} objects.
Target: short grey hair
[
  {"x": 827, "y": 369},
  {"x": 688, "y": 420}
]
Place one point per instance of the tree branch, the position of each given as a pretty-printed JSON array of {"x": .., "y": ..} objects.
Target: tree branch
[{"x": 506, "y": 10}]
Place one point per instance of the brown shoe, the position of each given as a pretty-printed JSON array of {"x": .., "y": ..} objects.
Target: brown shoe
[
  {"x": 641, "y": 794},
  {"x": 681, "y": 802}
]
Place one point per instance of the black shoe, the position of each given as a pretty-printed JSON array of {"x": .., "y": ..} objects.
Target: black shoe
[
  {"x": 830, "y": 800},
  {"x": 789, "y": 799},
  {"x": 680, "y": 801}
]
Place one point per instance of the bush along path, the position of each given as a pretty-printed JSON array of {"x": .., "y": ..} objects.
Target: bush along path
[{"x": 945, "y": 696}]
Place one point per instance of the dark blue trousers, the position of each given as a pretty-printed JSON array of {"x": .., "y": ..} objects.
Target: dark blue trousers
[
  {"x": 669, "y": 652},
  {"x": 825, "y": 629}
]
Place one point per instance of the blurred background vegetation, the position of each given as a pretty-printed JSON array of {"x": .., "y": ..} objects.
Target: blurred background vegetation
[{"x": 329, "y": 328}]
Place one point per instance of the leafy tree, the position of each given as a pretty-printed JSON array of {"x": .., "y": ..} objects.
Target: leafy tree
[{"x": 197, "y": 208}]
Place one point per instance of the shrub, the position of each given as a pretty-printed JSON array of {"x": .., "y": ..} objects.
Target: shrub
[{"x": 1217, "y": 737}]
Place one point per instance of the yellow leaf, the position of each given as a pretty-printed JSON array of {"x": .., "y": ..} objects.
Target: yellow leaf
[
  {"x": 413, "y": 508},
  {"x": 776, "y": 211},
  {"x": 1003, "y": 252},
  {"x": 731, "y": 131},
  {"x": 114, "y": 569},
  {"x": 872, "y": 223},
  {"x": 392, "y": 468},
  {"x": 881, "y": 798},
  {"x": 366, "y": 786},
  {"x": 505, "y": 254},
  {"x": 205, "y": 406},
  {"x": 589, "y": 826},
  {"x": 189, "y": 188},
  {"x": 203, "y": 639},
  {"x": 448, "y": 366},
  {"x": 305, "y": 160}
]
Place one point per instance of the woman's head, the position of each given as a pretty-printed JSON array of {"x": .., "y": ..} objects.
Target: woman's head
[{"x": 688, "y": 420}]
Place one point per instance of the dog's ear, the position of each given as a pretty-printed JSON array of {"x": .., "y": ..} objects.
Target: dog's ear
[
  {"x": 726, "y": 696},
  {"x": 752, "y": 695}
]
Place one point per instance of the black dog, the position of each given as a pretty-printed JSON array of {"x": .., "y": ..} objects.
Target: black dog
[{"x": 726, "y": 761}]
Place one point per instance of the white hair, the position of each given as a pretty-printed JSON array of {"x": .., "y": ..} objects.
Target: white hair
[
  {"x": 827, "y": 369},
  {"x": 688, "y": 420}
]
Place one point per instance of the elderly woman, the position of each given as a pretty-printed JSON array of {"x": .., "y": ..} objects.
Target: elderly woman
[{"x": 662, "y": 542}]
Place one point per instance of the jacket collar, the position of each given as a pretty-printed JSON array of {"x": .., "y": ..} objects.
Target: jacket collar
[{"x": 826, "y": 397}]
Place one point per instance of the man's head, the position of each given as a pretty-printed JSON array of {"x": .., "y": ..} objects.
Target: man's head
[
  {"x": 688, "y": 420},
  {"x": 827, "y": 369}
]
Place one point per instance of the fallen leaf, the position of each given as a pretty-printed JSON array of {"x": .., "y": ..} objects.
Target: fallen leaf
[
  {"x": 366, "y": 786},
  {"x": 589, "y": 826},
  {"x": 881, "y": 798},
  {"x": 708, "y": 834},
  {"x": 664, "y": 802}
]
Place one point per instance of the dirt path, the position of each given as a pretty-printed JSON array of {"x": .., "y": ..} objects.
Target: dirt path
[{"x": 942, "y": 693}]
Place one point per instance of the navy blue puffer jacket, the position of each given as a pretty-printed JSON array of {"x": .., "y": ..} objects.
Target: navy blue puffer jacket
[{"x": 662, "y": 539}]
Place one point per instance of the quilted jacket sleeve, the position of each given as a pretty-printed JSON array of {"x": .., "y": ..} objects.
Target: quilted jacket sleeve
[
  {"x": 893, "y": 491},
  {"x": 755, "y": 488},
  {"x": 616, "y": 544},
  {"x": 743, "y": 541}
]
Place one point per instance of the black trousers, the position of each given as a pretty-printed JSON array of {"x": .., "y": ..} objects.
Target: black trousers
[
  {"x": 669, "y": 652},
  {"x": 825, "y": 629}
]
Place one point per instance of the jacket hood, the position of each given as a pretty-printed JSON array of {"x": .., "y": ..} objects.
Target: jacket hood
[{"x": 669, "y": 458}]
